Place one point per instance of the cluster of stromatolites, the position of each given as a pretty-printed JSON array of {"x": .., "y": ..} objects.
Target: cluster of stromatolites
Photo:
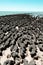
[{"x": 20, "y": 32}]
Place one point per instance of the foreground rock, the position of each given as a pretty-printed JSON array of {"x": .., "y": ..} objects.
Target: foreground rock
[{"x": 21, "y": 40}]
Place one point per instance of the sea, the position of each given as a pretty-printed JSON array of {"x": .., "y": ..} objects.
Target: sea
[{"x": 3, "y": 13}]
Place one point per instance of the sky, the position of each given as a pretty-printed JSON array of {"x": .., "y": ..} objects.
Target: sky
[{"x": 21, "y": 5}]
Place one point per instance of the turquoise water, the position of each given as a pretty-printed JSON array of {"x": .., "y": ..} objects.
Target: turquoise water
[
  {"x": 11, "y": 12},
  {"x": 3, "y": 13}
]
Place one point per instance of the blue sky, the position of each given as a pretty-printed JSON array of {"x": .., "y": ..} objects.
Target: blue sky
[{"x": 21, "y": 5}]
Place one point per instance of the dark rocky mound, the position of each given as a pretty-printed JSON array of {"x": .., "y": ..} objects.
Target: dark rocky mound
[{"x": 19, "y": 31}]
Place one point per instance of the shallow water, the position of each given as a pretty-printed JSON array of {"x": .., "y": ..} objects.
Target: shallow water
[{"x": 2, "y": 13}]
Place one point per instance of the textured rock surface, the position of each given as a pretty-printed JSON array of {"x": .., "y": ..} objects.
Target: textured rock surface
[{"x": 21, "y": 40}]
